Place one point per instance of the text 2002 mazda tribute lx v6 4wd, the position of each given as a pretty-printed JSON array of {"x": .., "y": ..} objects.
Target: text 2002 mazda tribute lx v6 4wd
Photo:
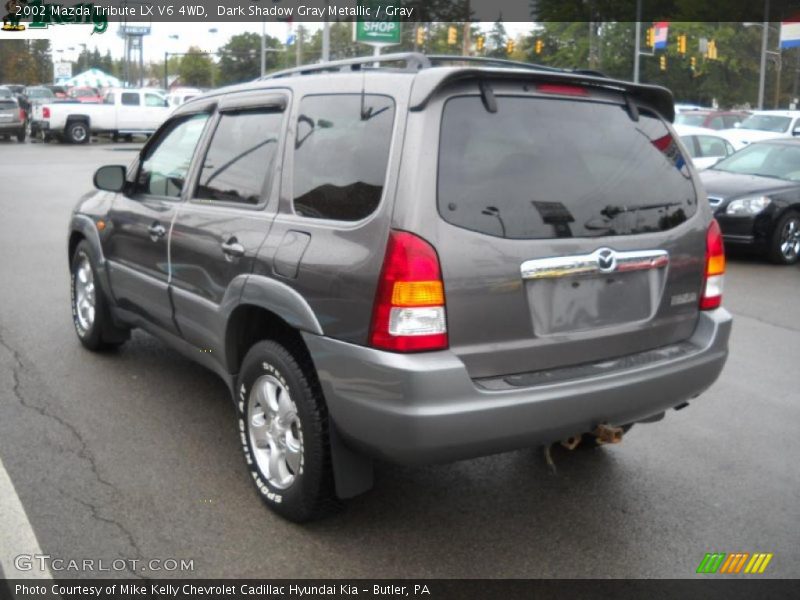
[{"x": 415, "y": 262}]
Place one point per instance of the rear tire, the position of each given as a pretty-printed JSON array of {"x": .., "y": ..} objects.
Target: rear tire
[
  {"x": 784, "y": 244},
  {"x": 77, "y": 132},
  {"x": 22, "y": 135},
  {"x": 283, "y": 424},
  {"x": 90, "y": 312}
]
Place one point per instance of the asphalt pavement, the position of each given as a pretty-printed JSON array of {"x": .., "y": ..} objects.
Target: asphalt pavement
[{"x": 133, "y": 455}]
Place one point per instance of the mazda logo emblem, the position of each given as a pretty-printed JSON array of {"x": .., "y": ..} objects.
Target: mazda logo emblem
[{"x": 606, "y": 260}]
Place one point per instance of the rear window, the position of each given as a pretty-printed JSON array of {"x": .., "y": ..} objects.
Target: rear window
[
  {"x": 7, "y": 104},
  {"x": 547, "y": 168}
]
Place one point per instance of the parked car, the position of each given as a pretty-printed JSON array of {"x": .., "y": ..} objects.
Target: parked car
[
  {"x": 755, "y": 195},
  {"x": 59, "y": 91},
  {"x": 705, "y": 147},
  {"x": 38, "y": 94},
  {"x": 5, "y": 92},
  {"x": 683, "y": 107},
  {"x": 12, "y": 119},
  {"x": 763, "y": 125},
  {"x": 88, "y": 95},
  {"x": 15, "y": 88},
  {"x": 178, "y": 96},
  {"x": 711, "y": 119},
  {"x": 415, "y": 263},
  {"x": 124, "y": 112}
]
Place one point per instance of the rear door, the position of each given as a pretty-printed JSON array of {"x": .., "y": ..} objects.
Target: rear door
[
  {"x": 129, "y": 111},
  {"x": 136, "y": 243},
  {"x": 218, "y": 232},
  {"x": 564, "y": 226}
]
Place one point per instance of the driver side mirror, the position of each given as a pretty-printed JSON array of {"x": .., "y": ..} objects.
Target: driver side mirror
[{"x": 110, "y": 178}]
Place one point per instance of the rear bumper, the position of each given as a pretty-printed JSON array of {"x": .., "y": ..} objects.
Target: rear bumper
[
  {"x": 11, "y": 126},
  {"x": 424, "y": 408}
]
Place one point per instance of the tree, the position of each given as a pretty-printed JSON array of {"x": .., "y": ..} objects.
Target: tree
[
  {"x": 196, "y": 68},
  {"x": 240, "y": 57},
  {"x": 497, "y": 41}
]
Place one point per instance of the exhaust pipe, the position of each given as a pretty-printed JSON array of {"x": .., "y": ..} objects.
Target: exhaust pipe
[
  {"x": 571, "y": 442},
  {"x": 607, "y": 434}
]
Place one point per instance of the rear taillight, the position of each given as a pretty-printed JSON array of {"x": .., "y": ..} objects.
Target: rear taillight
[
  {"x": 409, "y": 312},
  {"x": 46, "y": 112},
  {"x": 715, "y": 268},
  {"x": 21, "y": 114}
]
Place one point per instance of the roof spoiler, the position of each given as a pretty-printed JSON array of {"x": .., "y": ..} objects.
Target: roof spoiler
[{"x": 429, "y": 82}]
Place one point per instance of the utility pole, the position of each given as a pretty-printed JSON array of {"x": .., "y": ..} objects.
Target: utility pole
[
  {"x": 326, "y": 40},
  {"x": 637, "y": 41},
  {"x": 466, "y": 42},
  {"x": 298, "y": 45},
  {"x": 263, "y": 47},
  {"x": 763, "y": 72}
]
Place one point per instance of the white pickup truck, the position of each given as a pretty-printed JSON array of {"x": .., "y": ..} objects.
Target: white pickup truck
[{"x": 123, "y": 112}]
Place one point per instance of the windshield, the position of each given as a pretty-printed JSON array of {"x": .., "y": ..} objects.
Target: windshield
[
  {"x": 690, "y": 119},
  {"x": 530, "y": 171},
  {"x": 39, "y": 93},
  {"x": 780, "y": 161},
  {"x": 772, "y": 123}
]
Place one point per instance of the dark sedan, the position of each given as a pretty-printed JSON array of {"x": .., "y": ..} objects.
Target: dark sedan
[{"x": 755, "y": 195}]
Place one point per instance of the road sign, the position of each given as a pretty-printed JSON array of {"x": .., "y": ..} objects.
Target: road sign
[
  {"x": 62, "y": 71},
  {"x": 378, "y": 29}
]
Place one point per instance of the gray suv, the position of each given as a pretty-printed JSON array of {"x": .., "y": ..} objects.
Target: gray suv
[{"x": 415, "y": 259}]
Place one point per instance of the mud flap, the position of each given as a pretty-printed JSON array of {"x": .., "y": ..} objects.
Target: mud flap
[{"x": 352, "y": 472}]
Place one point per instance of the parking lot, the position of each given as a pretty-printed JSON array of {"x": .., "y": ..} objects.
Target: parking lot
[{"x": 134, "y": 454}]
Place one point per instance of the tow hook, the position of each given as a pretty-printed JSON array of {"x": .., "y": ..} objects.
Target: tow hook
[
  {"x": 571, "y": 442},
  {"x": 607, "y": 434}
]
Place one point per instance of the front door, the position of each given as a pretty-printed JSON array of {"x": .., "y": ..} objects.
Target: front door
[
  {"x": 217, "y": 233},
  {"x": 139, "y": 220}
]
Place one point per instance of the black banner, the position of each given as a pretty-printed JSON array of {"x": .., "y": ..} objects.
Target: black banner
[{"x": 709, "y": 588}]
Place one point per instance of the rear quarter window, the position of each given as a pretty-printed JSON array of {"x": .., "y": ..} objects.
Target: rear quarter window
[
  {"x": 341, "y": 155},
  {"x": 543, "y": 168}
]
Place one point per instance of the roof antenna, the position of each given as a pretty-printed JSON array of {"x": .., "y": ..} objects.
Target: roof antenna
[{"x": 364, "y": 115}]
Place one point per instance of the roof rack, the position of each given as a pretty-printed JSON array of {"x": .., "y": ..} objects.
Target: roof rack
[
  {"x": 411, "y": 61},
  {"x": 440, "y": 59}
]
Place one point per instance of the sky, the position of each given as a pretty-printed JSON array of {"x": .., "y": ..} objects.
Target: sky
[{"x": 189, "y": 34}]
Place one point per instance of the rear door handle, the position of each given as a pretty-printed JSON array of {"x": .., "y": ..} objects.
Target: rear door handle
[
  {"x": 232, "y": 249},
  {"x": 156, "y": 231}
]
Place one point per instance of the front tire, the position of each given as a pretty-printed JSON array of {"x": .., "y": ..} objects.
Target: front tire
[
  {"x": 784, "y": 245},
  {"x": 77, "y": 132},
  {"x": 90, "y": 312},
  {"x": 283, "y": 424}
]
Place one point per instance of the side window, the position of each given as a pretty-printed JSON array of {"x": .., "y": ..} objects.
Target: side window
[
  {"x": 711, "y": 146},
  {"x": 688, "y": 141},
  {"x": 164, "y": 168},
  {"x": 716, "y": 123},
  {"x": 109, "y": 99},
  {"x": 154, "y": 100},
  {"x": 130, "y": 99},
  {"x": 730, "y": 121},
  {"x": 728, "y": 148},
  {"x": 240, "y": 156},
  {"x": 341, "y": 155}
]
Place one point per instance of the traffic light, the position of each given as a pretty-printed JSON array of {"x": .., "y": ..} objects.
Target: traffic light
[
  {"x": 682, "y": 44},
  {"x": 509, "y": 46},
  {"x": 452, "y": 35},
  {"x": 649, "y": 37},
  {"x": 539, "y": 46},
  {"x": 420, "y": 36},
  {"x": 480, "y": 43},
  {"x": 693, "y": 63},
  {"x": 712, "y": 50},
  {"x": 662, "y": 62}
]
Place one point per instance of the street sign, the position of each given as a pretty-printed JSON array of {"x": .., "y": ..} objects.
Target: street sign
[
  {"x": 377, "y": 29},
  {"x": 62, "y": 71}
]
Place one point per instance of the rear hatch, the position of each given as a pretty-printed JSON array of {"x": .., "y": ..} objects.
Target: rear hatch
[
  {"x": 9, "y": 112},
  {"x": 566, "y": 233}
]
